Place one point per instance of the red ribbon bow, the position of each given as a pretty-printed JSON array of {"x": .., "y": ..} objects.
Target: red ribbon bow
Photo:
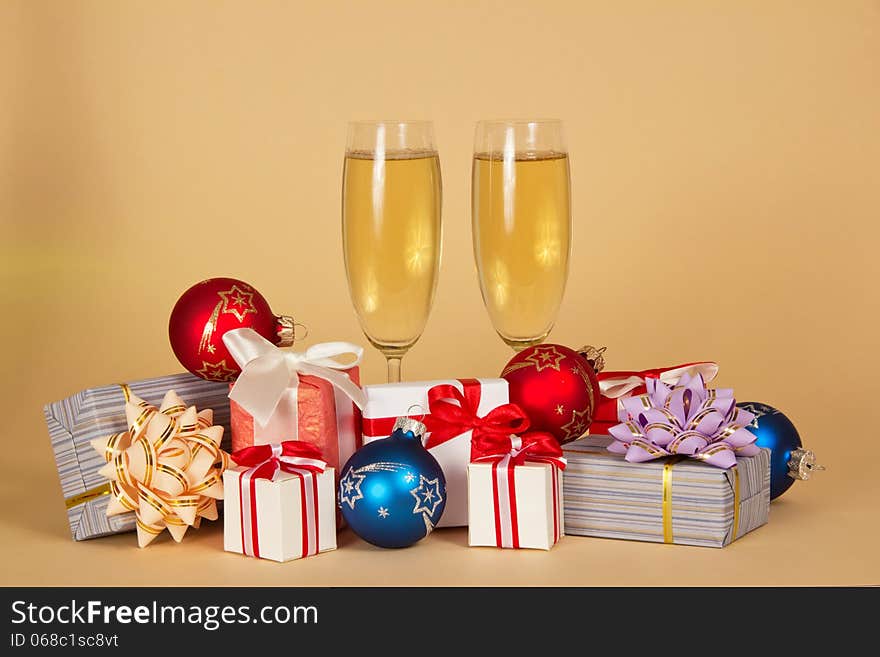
[
  {"x": 289, "y": 456},
  {"x": 453, "y": 412},
  {"x": 536, "y": 446}
]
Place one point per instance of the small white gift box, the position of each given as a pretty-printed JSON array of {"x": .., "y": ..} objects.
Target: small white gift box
[
  {"x": 519, "y": 506},
  {"x": 291, "y": 516}
]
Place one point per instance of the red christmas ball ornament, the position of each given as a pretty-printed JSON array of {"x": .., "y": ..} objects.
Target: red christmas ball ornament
[
  {"x": 206, "y": 311},
  {"x": 556, "y": 387}
]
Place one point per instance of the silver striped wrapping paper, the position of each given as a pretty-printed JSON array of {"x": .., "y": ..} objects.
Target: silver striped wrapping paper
[
  {"x": 608, "y": 497},
  {"x": 97, "y": 412}
]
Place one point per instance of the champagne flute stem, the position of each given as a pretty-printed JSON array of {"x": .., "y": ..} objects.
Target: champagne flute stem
[{"x": 393, "y": 369}]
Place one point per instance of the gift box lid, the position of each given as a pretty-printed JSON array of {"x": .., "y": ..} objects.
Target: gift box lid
[{"x": 387, "y": 399}]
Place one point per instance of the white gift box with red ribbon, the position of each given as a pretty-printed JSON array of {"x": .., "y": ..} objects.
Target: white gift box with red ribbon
[
  {"x": 288, "y": 517},
  {"x": 386, "y": 402},
  {"x": 515, "y": 504},
  {"x": 538, "y": 499}
]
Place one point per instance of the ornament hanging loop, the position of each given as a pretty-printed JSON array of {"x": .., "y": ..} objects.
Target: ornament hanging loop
[
  {"x": 305, "y": 331},
  {"x": 409, "y": 424},
  {"x": 415, "y": 408},
  {"x": 287, "y": 331}
]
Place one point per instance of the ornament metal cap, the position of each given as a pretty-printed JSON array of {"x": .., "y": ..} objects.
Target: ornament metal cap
[
  {"x": 286, "y": 331},
  {"x": 595, "y": 357},
  {"x": 410, "y": 425},
  {"x": 802, "y": 464}
]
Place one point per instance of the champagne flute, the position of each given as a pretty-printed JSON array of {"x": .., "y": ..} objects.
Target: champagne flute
[
  {"x": 521, "y": 224},
  {"x": 391, "y": 231}
]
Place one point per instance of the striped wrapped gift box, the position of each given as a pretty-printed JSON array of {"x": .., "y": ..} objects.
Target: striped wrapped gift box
[
  {"x": 96, "y": 412},
  {"x": 672, "y": 500}
]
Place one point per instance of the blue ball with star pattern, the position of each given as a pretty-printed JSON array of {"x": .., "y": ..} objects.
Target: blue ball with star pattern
[{"x": 392, "y": 492}]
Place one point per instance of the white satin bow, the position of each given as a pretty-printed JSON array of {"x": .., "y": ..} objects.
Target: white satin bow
[
  {"x": 615, "y": 387},
  {"x": 268, "y": 372}
]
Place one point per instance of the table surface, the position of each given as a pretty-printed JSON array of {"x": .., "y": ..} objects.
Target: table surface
[{"x": 821, "y": 532}]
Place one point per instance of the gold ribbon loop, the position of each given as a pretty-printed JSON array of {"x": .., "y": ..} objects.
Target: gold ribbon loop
[{"x": 121, "y": 495}]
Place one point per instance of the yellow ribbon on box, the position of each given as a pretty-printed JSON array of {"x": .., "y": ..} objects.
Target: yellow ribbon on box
[
  {"x": 667, "y": 498},
  {"x": 735, "y": 502},
  {"x": 87, "y": 495},
  {"x": 166, "y": 467}
]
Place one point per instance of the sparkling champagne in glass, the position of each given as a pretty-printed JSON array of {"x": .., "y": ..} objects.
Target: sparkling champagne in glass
[
  {"x": 391, "y": 230},
  {"x": 521, "y": 222}
]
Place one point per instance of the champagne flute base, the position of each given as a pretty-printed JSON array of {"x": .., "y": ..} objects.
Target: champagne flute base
[{"x": 519, "y": 345}]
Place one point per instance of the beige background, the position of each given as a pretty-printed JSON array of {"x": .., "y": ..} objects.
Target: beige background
[{"x": 725, "y": 197}]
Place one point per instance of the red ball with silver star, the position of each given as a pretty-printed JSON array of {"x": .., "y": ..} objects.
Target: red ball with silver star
[
  {"x": 209, "y": 309},
  {"x": 556, "y": 387}
]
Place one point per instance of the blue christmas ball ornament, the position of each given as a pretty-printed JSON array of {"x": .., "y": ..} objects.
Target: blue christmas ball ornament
[
  {"x": 789, "y": 461},
  {"x": 392, "y": 491}
]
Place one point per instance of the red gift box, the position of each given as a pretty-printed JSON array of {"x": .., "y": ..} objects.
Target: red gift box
[
  {"x": 284, "y": 395},
  {"x": 325, "y": 417}
]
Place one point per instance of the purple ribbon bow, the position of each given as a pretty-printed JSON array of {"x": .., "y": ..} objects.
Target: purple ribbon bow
[{"x": 686, "y": 418}]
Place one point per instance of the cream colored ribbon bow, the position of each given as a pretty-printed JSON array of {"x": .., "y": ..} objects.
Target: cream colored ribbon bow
[
  {"x": 167, "y": 467},
  {"x": 268, "y": 373}
]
